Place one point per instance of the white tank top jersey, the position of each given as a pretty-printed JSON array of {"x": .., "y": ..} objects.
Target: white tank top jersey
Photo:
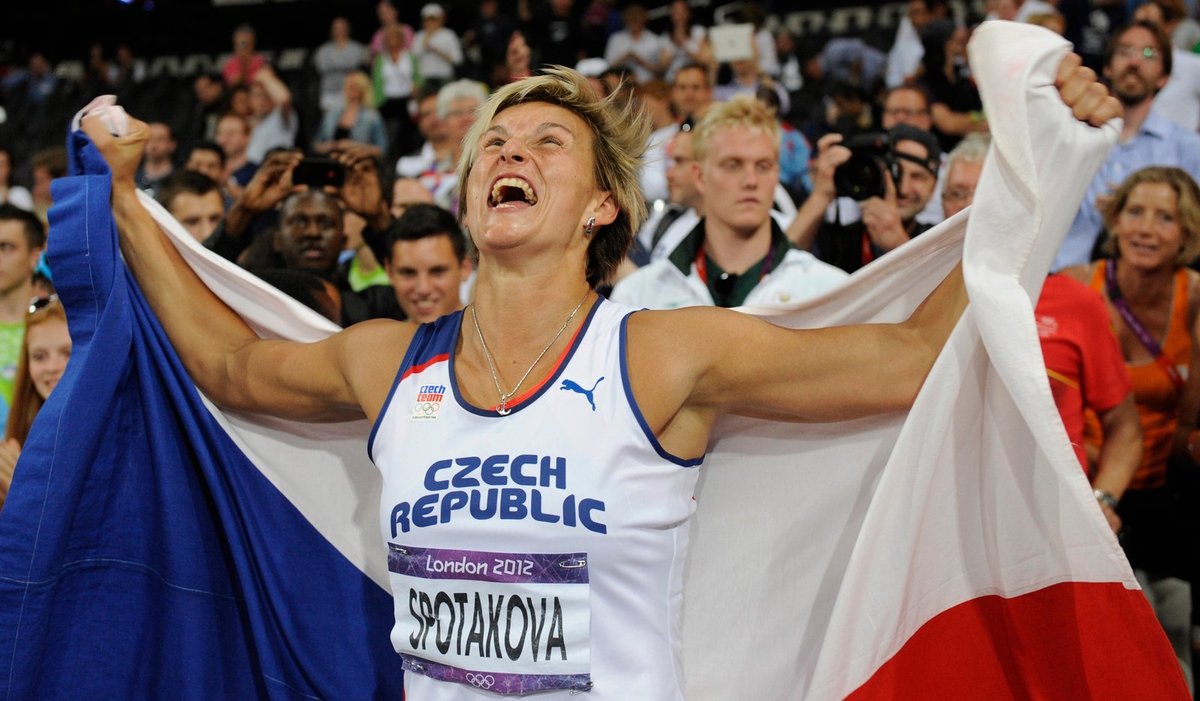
[{"x": 538, "y": 552}]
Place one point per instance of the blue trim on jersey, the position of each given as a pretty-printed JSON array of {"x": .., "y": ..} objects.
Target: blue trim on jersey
[
  {"x": 492, "y": 413},
  {"x": 637, "y": 410},
  {"x": 426, "y": 344}
]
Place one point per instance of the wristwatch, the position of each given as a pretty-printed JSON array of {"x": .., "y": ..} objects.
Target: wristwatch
[{"x": 1105, "y": 498}]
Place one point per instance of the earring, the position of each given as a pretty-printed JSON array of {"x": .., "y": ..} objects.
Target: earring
[{"x": 591, "y": 226}]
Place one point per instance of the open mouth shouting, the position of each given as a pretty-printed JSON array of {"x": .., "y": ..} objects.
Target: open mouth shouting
[{"x": 510, "y": 192}]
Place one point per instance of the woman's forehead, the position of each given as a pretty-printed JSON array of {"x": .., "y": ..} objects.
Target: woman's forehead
[{"x": 537, "y": 115}]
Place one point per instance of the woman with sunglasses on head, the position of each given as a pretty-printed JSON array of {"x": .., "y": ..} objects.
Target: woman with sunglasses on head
[{"x": 44, "y": 356}]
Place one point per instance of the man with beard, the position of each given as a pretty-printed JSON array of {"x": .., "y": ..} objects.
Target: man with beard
[{"x": 1137, "y": 67}]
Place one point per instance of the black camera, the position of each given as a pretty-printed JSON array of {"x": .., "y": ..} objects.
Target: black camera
[{"x": 871, "y": 160}]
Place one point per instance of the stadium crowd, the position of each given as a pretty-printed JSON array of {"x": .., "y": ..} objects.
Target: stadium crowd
[{"x": 778, "y": 165}]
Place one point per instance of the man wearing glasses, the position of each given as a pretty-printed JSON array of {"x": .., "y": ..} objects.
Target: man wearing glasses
[{"x": 1137, "y": 67}]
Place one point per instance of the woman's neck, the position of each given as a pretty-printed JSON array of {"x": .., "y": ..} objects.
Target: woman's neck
[{"x": 1145, "y": 287}]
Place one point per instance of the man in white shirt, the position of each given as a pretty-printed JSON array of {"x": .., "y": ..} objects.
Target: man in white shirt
[
  {"x": 635, "y": 48},
  {"x": 1179, "y": 100},
  {"x": 437, "y": 47}
]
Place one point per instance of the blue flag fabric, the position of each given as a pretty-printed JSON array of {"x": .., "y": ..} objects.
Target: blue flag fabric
[{"x": 142, "y": 555}]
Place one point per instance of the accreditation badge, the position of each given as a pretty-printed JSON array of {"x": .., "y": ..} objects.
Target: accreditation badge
[{"x": 508, "y": 623}]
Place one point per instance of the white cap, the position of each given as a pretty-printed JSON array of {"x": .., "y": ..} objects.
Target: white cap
[
  {"x": 592, "y": 67},
  {"x": 432, "y": 10}
]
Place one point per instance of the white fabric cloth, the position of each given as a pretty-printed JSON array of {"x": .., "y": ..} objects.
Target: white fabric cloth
[{"x": 915, "y": 528}]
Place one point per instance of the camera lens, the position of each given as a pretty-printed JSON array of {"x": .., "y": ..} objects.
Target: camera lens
[{"x": 861, "y": 177}]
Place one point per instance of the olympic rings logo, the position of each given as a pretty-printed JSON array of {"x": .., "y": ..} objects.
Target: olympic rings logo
[
  {"x": 482, "y": 681},
  {"x": 426, "y": 408}
]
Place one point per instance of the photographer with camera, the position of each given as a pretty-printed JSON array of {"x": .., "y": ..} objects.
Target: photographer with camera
[
  {"x": 892, "y": 175},
  {"x": 291, "y": 215}
]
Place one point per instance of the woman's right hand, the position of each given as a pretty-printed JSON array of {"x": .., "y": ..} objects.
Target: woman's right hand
[{"x": 122, "y": 153}]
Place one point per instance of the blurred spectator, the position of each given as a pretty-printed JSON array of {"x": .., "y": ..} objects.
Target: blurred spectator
[
  {"x": 158, "y": 159},
  {"x": 437, "y": 47},
  {"x": 517, "y": 59},
  {"x": 910, "y": 105},
  {"x": 1137, "y": 67},
  {"x": 904, "y": 58},
  {"x": 356, "y": 121},
  {"x": 737, "y": 254},
  {"x": 44, "y": 352},
  {"x": 9, "y": 193},
  {"x": 208, "y": 158},
  {"x": 1090, "y": 24},
  {"x": 1017, "y": 10},
  {"x": 635, "y": 48},
  {"x": 685, "y": 43},
  {"x": 851, "y": 60},
  {"x": 1179, "y": 99},
  {"x": 241, "y": 67},
  {"x": 386, "y": 12},
  {"x": 407, "y": 192},
  {"x": 457, "y": 104},
  {"x": 1054, "y": 21},
  {"x": 233, "y": 136},
  {"x": 48, "y": 164},
  {"x": 128, "y": 69},
  {"x": 436, "y": 147},
  {"x": 487, "y": 40},
  {"x": 336, "y": 59},
  {"x": 194, "y": 200},
  {"x": 427, "y": 263},
  {"x": 764, "y": 42},
  {"x": 667, "y": 226},
  {"x": 794, "y": 150},
  {"x": 747, "y": 78},
  {"x": 273, "y": 122},
  {"x": 600, "y": 21},
  {"x": 237, "y": 101},
  {"x": 31, "y": 85},
  {"x": 22, "y": 238},
  {"x": 955, "y": 105},
  {"x": 911, "y": 158},
  {"x": 396, "y": 80},
  {"x": 791, "y": 74},
  {"x": 208, "y": 95},
  {"x": 309, "y": 289},
  {"x": 655, "y": 99},
  {"x": 555, "y": 33},
  {"x": 99, "y": 76},
  {"x": 691, "y": 91},
  {"x": 963, "y": 168}
]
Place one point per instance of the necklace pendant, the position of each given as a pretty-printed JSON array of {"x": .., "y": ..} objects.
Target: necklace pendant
[{"x": 503, "y": 410}]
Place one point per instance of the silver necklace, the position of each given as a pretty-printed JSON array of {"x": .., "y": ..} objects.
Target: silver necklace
[{"x": 502, "y": 409}]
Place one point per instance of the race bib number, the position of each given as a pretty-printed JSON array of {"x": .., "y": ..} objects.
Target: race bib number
[{"x": 508, "y": 623}]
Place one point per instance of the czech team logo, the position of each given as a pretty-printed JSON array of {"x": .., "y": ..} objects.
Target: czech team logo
[{"x": 429, "y": 402}]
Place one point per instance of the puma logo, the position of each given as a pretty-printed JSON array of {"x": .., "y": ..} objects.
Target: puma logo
[{"x": 572, "y": 386}]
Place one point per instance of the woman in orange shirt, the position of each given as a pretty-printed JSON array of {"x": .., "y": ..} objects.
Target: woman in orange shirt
[{"x": 1153, "y": 300}]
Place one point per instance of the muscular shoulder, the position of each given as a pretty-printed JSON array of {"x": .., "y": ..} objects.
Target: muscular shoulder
[{"x": 371, "y": 352}]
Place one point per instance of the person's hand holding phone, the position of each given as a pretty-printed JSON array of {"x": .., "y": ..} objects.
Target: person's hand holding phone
[
  {"x": 362, "y": 192},
  {"x": 272, "y": 183}
]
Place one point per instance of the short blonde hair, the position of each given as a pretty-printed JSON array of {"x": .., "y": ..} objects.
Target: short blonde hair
[
  {"x": 619, "y": 136},
  {"x": 365, "y": 87},
  {"x": 739, "y": 111},
  {"x": 1187, "y": 207}
]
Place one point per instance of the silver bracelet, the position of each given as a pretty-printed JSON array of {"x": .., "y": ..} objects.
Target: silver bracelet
[{"x": 1105, "y": 498}]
